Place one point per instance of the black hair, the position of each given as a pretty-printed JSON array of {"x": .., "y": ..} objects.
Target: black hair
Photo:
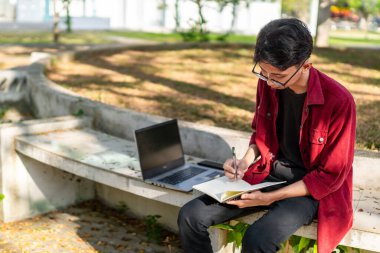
[{"x": 283, "y": 43}]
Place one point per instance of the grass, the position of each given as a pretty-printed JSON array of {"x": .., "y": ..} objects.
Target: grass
[
  {"x": 354, "y": 38},
  {"x": 337, "y": 38},
  {"x": 212, "y": 85}
]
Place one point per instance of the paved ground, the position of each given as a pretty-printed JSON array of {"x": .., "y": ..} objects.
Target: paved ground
[{"x": 84, "y": 228}]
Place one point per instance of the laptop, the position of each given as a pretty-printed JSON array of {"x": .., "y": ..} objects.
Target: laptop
[{"x": 162, "y": 160}]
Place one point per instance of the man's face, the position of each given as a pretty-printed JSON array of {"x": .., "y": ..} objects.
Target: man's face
[{"x": 279, "y": 79}]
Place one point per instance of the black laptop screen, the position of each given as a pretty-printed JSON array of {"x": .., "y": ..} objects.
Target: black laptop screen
[{"x": 159, "y": 147}]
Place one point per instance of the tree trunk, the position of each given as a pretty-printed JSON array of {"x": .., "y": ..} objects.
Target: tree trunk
[
  {"x": 177, "y": 16},
  {"x": 68, "y": 16},
  {"x": 234, "y": 12},
  {"x": 323, "y": 24},
  {"x": 55, "y": 23},
  {"x": 202, "y": 20}
]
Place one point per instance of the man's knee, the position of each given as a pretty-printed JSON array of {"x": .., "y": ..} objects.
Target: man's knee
[{"x": 189, "y": 216}]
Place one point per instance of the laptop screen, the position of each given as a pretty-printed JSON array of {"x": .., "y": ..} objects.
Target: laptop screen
[{"x": 159, "y": 147}]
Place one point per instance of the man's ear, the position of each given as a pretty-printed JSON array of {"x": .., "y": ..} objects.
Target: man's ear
[{"x": 307, "y": 66}]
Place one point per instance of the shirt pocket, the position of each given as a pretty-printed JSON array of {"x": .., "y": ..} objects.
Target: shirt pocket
[
  {"x": 318, "y": 137},
  {"x": 264, "y": 112}
]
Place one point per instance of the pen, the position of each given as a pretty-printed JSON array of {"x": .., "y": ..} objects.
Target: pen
[{"x": 234, "y": 162}]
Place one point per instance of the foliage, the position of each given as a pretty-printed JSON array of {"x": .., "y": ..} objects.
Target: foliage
[
  {"x": 79, "y": 113},
  {"x": 122, "y": 207},
  {"x": 235, "y": 232},
  {"x": 198, "y": 31},
  {"x": 3, "y": 110},
  {"x": 153, "y": 229},
  {"x": 364, "y": 7},
  {"x": 295, "y": 8},
  {"x": 1, "y": 197},
  {"x": 298, "y": 244},
  {"x": 66, "y": 8},
  {"x": 66, "y": 4}
]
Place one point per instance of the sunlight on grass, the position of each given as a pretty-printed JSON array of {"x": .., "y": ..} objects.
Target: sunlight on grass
[{"x": 211, "y": 86}]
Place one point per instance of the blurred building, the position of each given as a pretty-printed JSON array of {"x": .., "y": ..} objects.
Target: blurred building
[{"x": 142, "y": 15}]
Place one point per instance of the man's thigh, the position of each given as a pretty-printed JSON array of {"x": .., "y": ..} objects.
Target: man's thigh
[
  {"x": 282, "y": 220},
  {"x": 210, "y": 212}
]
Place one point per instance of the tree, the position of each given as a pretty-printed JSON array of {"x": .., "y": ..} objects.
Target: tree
[
  {"x": 296, "y": 8},
  {"x": 55, "y": 22},
  {"x": 56, "y": 18},
  {"x": 323, "y": 23},
  {"x": 366, "y": 8},
  {"x": 66, "y": 7},
  {"x": 199, "y": 31},
  {"x": 177, "y": 16}
]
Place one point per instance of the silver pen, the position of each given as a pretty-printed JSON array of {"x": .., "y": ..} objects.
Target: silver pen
[{"x": 234, "y": 163}]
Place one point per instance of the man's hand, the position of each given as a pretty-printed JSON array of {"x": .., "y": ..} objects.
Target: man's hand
[
  {"x": 256, "y": 198},
  {"x": 229, "y": 170}
]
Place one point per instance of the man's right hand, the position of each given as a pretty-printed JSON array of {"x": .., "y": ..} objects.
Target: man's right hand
[{"x": 229, "y": 171}]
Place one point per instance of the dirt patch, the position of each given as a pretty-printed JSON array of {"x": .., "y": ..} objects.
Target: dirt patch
[{"x": 85, "y": 228}]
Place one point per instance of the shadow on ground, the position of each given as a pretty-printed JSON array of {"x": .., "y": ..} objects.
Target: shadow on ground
[{"x": 87, "y": 227}]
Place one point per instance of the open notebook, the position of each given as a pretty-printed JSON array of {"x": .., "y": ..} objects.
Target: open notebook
[{"x": 223, "y": 189}]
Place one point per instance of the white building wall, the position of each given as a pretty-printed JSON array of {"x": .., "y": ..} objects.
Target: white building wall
[
  {"x": 145, "y": 15},
  {"x": 6, "y": 10},
  {"x": 30, "y": 10},
  {"x": 252, "y": 19}
]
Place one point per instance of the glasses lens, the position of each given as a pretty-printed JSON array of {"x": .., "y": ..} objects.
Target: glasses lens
[
  {"x": 276, "y": 82},
  {"x": 261, "y": 77}
]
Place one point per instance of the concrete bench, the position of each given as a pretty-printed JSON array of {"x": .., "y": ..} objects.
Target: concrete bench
[{"x": 63, "y": 160}]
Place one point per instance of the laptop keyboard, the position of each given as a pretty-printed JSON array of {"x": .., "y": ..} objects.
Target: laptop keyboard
[{"x": 181, "y": 175}]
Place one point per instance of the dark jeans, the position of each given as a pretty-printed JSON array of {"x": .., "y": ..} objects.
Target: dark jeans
[{"x": 265, "y": 235}]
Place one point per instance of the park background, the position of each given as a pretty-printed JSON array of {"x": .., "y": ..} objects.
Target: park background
[{"x": 186, "y": 59}]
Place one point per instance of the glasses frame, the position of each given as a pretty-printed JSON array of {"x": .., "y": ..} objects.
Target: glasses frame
[{"x": 266, "y": 79}]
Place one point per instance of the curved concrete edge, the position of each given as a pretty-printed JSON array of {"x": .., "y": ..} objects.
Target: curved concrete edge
[{"x": 12, "y": 86}]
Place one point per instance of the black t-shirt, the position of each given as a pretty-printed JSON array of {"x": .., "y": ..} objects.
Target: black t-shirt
[{"x": 288, "y": 127}]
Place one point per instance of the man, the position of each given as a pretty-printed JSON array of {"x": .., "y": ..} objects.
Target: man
[{"x": 304, "y": 133}]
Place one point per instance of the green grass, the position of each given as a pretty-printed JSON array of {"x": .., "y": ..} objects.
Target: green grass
[
  {"x": 338, "y": 41},
  {"x": 337, "y": 38},
  {"x": 354, "y": 38},
  {"x": 161, "y": 37},
  {"x": 176, "y": 37}
]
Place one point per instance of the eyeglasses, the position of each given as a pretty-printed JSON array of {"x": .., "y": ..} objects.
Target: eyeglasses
[{"x": 264, "y": 78}]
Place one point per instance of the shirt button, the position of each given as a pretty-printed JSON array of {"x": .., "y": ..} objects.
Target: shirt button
[
  {"x": 269, "y": 114},
  {"x": 321, "y": 139}
]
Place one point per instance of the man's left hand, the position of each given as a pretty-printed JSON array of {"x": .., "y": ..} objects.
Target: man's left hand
[{"x": 256, "y": 198}]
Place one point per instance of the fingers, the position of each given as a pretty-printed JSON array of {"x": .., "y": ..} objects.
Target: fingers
[
  {"x": 228, "y": 169},
  {"x": 240, "y": 203}
]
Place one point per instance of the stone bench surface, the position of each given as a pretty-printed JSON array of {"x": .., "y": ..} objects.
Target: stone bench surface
[
  {"x": 112, "y": 161},
  {"x": 99, "y": 157}
]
